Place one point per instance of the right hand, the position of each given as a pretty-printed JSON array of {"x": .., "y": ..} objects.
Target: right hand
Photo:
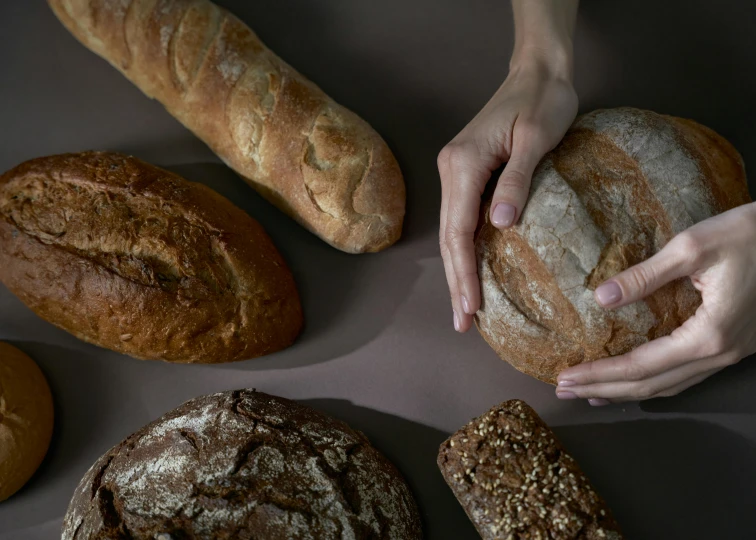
[{"x": 526, "y": 118}]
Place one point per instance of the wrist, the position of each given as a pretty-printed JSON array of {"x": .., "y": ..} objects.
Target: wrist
[{"x": 552, "y": 58}]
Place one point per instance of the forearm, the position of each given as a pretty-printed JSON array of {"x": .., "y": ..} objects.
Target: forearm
[{"x": 543, "y": 35}]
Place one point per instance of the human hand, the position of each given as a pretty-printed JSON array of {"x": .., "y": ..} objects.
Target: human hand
[
  {"x": 526, "y": 118},
  {"x": 719, "y": 256}
]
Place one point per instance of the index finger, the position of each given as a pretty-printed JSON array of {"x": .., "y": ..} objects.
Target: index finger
[
  {"x": 468, "y": 180},
  {"x": 646, "y": 361}
]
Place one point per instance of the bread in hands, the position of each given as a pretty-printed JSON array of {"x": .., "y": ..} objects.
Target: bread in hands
[{"x": 620, "y": 185}]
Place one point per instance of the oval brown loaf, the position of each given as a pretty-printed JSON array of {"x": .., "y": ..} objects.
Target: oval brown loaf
[
  {"x": 621, "y": 184},
  {"x": 243, "y": 464},
  {"x": 318, "y": 162},
  {"x": 26, "y": 419},
  {"x": 136, "y": 259}
]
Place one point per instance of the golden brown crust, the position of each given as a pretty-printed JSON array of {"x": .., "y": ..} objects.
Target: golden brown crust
[
  {"x": 315, "y": 160},
  {"x": 516, "y": 482},
  {"x": 26, "y": 419},
  {"x": 619, "y": 186},
  {"x": 136, "y": 259}
]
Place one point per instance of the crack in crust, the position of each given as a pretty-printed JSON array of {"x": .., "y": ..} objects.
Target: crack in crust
[
  {"x": 604, "y": 200},
  {"x": 254, "y": 463},
  {"x": 134, "y": 258}
]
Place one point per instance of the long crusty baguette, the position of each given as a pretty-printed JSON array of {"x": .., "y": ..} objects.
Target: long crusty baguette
[
  {"x": 618, "y": 187},
  {"x": 134, "y": 258},
  {"x": 318, "y": 162}
]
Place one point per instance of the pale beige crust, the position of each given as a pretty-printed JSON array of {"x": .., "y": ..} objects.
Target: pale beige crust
[
  {"x": 26, "y": 419},
  {"x": 314, "y": 159},
  {"x": 136, "y": 259},
  {"x": 620, "y": 185}
]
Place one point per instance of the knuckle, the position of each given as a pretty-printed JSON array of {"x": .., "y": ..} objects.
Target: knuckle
[
  {"x": 443, "y": 157},
  {"x": 636, "y": 372},
  {"x": 529, "y": 128},
  {"x": 456, "y": 155},
  {"x": 717, "y": 343},
  {"x": 455, "y": 239},
  {"x": 640, "y": 279},
  {"x": 645, "y": 391},
  {"x": 728, "y": 359},
  {"x": 668, "y": 393},
  {"x": 513, "y": 178},
  {"x": 688, "y": 247}
]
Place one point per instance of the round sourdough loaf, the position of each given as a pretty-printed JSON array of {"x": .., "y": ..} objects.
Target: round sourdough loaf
[
  {"x": 26, "y": 419},
  {"x": 620, "y": 185},
  {"x": 134, "y": 258},
  {"x": 243, "y": 464}
]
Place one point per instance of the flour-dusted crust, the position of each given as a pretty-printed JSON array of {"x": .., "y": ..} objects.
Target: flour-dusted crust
[
  {"x": 134, "y": 258},
  {"x": 516, "y": 482},
  {"x": 243, "y": 464},
  {"x": 318, "y": 162},
  {"x": 26, "y": 419},
  {"x": 621, "y": 184}
]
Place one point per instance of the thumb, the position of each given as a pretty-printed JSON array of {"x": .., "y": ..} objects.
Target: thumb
[
  {"x": 513, "y": 187},
  {"x": 679, "y": 258}
]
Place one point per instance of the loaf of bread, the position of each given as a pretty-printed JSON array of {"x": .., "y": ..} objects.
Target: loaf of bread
[
  {"x": 516, "y": 482},
  {"x": 26, "y": 419},
  {"x": 621, "y": 184},
  {"x": 138, "y": 260},
  {"x": 243, "y": 464},
  {"x": 315, "y": 160}
]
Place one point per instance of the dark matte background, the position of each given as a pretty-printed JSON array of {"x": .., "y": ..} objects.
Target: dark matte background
[{"x": 379, "y": 350}]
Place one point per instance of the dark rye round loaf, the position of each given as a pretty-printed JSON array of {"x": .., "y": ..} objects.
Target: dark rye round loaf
[
  {"x": 620, "y": 185},
  {"x": 243, "y": 465},
  {"x": 136, "y": 259}
]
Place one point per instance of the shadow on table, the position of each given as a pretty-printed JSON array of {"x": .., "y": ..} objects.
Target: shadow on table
[
  {"x": 670, "y": 478},
  {"x": 86, "y": 403},
  {"x": 729, "y": 391},
  {"x": 413, "y": 448}
]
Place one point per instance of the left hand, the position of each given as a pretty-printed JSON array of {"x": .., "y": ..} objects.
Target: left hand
[{"x": 719, "y": 256}]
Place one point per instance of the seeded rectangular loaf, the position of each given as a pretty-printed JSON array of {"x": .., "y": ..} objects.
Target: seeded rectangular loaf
[
  {"x": 515, "y": 481},
  {"x": 315, "y": 160}
]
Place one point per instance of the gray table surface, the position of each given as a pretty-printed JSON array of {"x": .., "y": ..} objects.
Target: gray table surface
[{"x": 378, "y": 350}]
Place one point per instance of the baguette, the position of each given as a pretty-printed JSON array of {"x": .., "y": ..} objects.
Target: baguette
[
  {"x": 315, "y": 160},
  {"x": 136, "y": 259}
]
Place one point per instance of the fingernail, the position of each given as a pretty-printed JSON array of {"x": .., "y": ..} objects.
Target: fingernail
[
  {"x": 608, "y": 293},
  {"x": 466, "y": 305},
  {"x": 456, "y": 322},
  {"x": 503, "y": 215},
  {"x": 598, "y": 402},
  {"x": 566, "y": 395},
  {"x": 565, "y": 384}
]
